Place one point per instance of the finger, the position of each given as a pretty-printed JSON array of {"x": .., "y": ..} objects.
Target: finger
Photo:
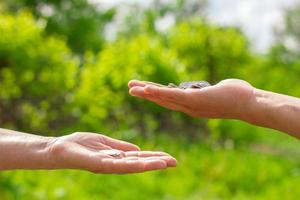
[
  {"x": 176, "y": 106},
  {"x": 122, "y": 166},
  {"x": 145, "y": 153},
  {"x": 139, "y": 92},
  {"x": 171, "y": 162},
  {"x": 143, "y": 166},
  {"x": 167, "y": 104},
  {"x": 96, "y": 147},
  {"x": 154, "y": 164},
  {"x": 119, "y": 144},
  {"x": 167, "y": 94},
  {"x": 172, "y": 106},
  {"x": 134, "y": 83},
  {"x": 154, "y": 84}
]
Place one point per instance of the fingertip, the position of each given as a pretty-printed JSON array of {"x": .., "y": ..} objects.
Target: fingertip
[
  {"x": 155, "y": 165},
  {"x": 162, "y": 164},
  {"x": 136, "y": 91},
  {"x": 126, "y": 146},
  {"x": 131, "y": 92},
  {"x": 138, "y": 148},
  {"x": 172, "y": 162},
  {"x": 132, "y": 83},
  {"x": 134, "y": 147}
]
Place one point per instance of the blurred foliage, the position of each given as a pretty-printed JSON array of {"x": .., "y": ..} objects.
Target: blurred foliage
[
  {"x": 97, "y": 99},
  {"x": 208, "y": 52},
  {"x": 59, "y": 73},
  {"x": 36, "y": 74},
  {"x": 104, "y": 82},
  {"x": 78, "y": 21},
  {"x": 183, "y": 54},
  {"x": 283, "y": 61},
  {"x": 149, "y": 18},
  {"x": 292, "y": 25}
]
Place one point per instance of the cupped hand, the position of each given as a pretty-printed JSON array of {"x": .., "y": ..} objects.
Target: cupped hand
[
  {"x": 229, "y": 98},
  {"x": 101, "y": 154}
]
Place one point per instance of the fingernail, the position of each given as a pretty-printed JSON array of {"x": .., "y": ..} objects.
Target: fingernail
[
  {"x": 172, "y": 163},
  {"x": 131, "y": 83},
  {"x": 162, "y": 164},
  {"x": 137, "y": 148}
]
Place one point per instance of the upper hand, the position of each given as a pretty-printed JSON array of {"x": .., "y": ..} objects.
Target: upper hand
[
  {"x": 101, "y": 154},
  {"x": 228, "y": 99}
]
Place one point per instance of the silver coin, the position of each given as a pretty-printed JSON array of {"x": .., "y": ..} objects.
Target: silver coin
[
  {"x": 113, "y": 153},
  {"x": 190, "y": 85}
]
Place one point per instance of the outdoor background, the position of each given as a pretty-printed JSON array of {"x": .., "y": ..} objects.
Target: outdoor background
[{"x": 65, "y": 64}]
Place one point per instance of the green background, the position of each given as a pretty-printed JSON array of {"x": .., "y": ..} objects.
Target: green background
[{"x": 60, "y": 73}]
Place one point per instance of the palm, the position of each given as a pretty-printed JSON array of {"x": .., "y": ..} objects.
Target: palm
[{"x": 101, "y": 154}]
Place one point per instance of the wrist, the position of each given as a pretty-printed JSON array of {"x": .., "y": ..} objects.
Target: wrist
[
  {"x": 36, "y": 153},
  {"x": 23, "y": 151},
  {"x": 258, "y": 110},
  {"x": 51, "y": 153}
]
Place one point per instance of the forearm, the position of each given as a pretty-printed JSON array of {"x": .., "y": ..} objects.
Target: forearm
[
  {"x": 276, "y": 111},
  {"x": 23, "y": 151}
]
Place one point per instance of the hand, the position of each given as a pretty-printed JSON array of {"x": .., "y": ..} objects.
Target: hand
[
  {"x": 227, "y": 99},
  {"x": 101, "y": 154}
]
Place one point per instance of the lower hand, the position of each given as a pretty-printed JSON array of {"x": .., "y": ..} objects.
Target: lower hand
[{"x": 101, "y": 154}]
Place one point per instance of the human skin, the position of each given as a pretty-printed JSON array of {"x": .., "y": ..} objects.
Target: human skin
[
  {"x": 84, "y": 151},
  {"x": 229, "y": 99}
]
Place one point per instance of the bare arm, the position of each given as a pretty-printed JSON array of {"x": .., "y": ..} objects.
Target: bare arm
[
  {"x": 229, "y": 99},
  {"x": 23, "y": 151},
  {"x": 276, "y": 111},
  {"x": 85, "y": 151}
]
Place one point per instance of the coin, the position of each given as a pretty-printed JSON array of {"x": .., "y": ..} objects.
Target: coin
[
  {"x": 113, "y": 153},
  {"x": 190, "y": 85}
]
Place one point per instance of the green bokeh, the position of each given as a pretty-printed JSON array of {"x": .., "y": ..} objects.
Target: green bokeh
[{"x": 59, "y": 74}]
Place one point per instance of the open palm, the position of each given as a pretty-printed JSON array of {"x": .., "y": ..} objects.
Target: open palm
[{"x": 101, "y": 154}]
